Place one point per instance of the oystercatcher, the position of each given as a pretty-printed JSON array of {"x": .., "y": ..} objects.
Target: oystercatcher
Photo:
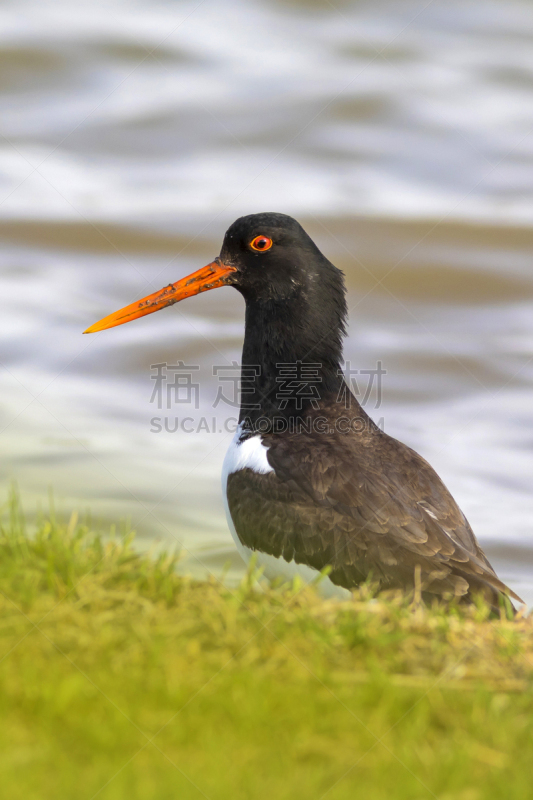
[{"x": 310, "y": 482}]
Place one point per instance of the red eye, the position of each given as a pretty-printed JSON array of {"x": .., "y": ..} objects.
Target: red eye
[{"x": 261, "y": 243}]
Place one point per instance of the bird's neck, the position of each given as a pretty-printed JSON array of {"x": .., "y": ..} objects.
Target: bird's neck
[{"x": 291, "y": 359}]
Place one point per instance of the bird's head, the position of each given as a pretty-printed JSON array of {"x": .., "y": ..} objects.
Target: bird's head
[{"x": 267, "y": 257}]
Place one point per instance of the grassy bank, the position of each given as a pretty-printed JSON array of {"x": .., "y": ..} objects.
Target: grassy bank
[{"x": 119, "y": 679}]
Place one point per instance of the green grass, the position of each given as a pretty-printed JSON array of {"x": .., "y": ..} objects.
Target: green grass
[{"x": 120, "y": 679}]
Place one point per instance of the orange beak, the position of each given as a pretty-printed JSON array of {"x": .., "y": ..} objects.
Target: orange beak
[{"x": 209, "y": 277}]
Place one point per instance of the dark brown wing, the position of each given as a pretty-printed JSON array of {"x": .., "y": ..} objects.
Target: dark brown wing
[{"x": 365, "y": 505}]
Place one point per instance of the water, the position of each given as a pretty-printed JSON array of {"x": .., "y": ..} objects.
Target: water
[{"x": 400, "y": 134}]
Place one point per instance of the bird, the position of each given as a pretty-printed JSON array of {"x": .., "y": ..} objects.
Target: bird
[{"x": 312, "y": 486}]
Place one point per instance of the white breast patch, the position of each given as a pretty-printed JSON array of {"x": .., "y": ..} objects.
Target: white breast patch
[{"x": 250, "y": 453}]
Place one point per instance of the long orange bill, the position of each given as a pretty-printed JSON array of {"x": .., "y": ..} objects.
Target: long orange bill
[{"x": 209, "y": 277}]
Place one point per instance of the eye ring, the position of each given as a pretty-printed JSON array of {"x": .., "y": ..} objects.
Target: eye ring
[{"x": 261, "y": 243}]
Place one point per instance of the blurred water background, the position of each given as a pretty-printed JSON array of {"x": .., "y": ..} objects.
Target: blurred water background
[{"x": 133, "y": 133}]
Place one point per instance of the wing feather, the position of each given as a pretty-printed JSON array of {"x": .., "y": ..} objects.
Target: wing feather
[{"x": 363, "y": 508}]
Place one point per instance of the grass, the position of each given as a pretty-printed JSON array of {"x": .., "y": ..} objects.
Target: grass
[{"x": 120, "y": 679}]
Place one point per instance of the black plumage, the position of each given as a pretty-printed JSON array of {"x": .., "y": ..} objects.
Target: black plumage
[{"x": 345, "y": 496}]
